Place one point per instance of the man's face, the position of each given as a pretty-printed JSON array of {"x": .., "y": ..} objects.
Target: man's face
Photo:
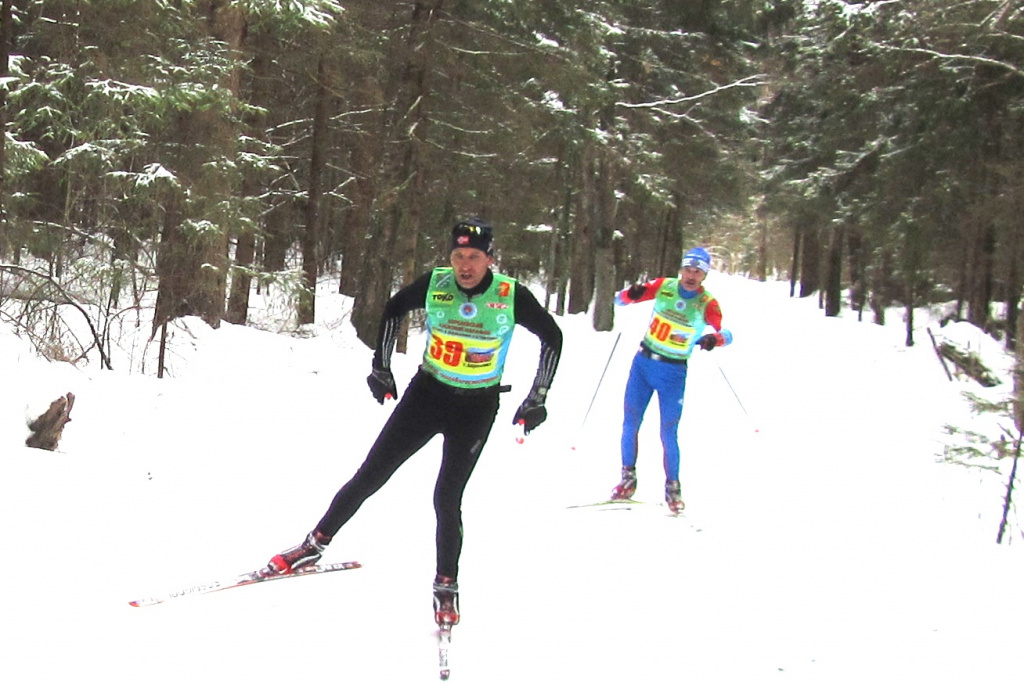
[
  {"x": 470, "y": 266},
  {"x": 691, "y": 278}
]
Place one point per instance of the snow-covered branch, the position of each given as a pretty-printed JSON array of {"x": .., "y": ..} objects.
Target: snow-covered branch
[
  {"x": 956, "y": 57},
  {"x": 752, "y": 81}
]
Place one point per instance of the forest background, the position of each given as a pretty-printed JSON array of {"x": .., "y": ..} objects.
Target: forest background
[{"x": 170, "y": 157}]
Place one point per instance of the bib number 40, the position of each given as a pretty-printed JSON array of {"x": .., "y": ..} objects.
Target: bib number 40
[{"x": 660, "y": 329}]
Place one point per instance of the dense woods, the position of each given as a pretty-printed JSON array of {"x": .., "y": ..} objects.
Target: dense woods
[{"x": 167, "y": 158}]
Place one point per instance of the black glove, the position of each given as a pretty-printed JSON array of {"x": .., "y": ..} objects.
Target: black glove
[
  {"x": 707, "y": 341},
  {"x": 635, "y": 291},
  {"x": 382, "y": 385},
  {"x": 532, "y": 413}
]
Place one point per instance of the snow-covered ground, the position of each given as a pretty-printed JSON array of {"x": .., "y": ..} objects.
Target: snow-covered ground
[{"x": 824, "y": 542}]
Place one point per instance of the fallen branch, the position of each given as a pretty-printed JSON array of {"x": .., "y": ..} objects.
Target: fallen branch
[
  {"x": 965, "y": 361},
  {"x": 938, "y": 353}
]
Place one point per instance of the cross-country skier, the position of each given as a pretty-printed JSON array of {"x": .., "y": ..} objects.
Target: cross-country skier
[
  {"x": 682, "y": 310},
  {"x": 470, "y": 314}
]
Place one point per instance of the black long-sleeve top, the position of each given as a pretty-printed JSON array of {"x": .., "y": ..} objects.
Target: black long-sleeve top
[{"x": 528, "y": 312}]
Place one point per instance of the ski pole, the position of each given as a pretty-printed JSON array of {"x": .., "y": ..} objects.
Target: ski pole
[
  {"x": 599, "y": 382},
  {"x": 736, "y": 395}
]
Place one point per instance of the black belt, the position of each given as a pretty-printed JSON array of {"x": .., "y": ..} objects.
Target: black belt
[{"x": 647, "y": 352}]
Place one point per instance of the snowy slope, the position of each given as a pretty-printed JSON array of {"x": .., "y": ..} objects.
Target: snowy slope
[{"x": 823, "y": 542}]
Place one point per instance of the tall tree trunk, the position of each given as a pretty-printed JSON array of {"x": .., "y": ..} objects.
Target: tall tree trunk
[
  {"x": 605, "y": 282},
  {"x": 1014, "y": 279},
  {"x": 911, "y": 300},
  {"x": 552, "y": 261},
  {"x": 417, "y": 88},
  {"x": 794, "y": 263},
  {"x": 880, "y": 287},
  {"x": 858, "y": 277},
  {"x": 581, "y": 278},
  {"x": 810, "y": 263},
  {"x": 672, "y": 238},
  {"x": 1018, "y": 382},
  {"x": 245, "y": 245},
  {"x": 834, "y": 272},
  {"x": 310, "y": 237},
  {"x": 982, "y": 251},
  {"x": 762, "y": 245},
  {"x": 375, "y": 282},
  {"x": 6, "y": 34},
  {"x": 366, "y": 149},
  {"x": 564, "y": 240},
  {"x": 192, "y": 264},
  {"x": 402, "y": 214}
]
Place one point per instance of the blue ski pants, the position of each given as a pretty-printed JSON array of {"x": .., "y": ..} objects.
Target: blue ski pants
[{"x": 645, "y": 377}]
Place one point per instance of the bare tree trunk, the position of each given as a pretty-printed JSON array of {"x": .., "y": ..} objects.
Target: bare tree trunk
[
  {"x": 192, "y": 265},
  {"x": 554, "y": 271},
  {"x": 564, "y": 244},
  {"x": 672, "y": 238},
  {"x": 810, "y": 264},
  {"x": 374, "y": 284},
  {"x": 310, "y": 238},
  {"x": 1014, "y": 277},
  {"x": 794, "y": 264},
  {"x": 761, "y": 270},
  {"x": 880, "y": 296},
  {"x": 278, "y": 222},
  {"x": 245, "y": 246},
  {"x": 858, "y": 275},
  {"x": 982, "y": 251},
  {"x": 911, "y": 299},
  {"x": 581, "y": 277},
  {"x": 1018, "y": 381},
  {"x": 834, "y": 272},
  {"x": 403, "y": 216},
  {"x": 6, "y": 33},
  {"x": 605, "y": 283},
  {"x": 367, "y": 150},
  {"x": 417, "y": 88}
]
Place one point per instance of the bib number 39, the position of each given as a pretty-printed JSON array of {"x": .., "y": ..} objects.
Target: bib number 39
[{"x": 449, "y": 352}]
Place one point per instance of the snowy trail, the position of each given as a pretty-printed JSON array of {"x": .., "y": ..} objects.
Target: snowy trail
[{"x": 827, "y": 547}]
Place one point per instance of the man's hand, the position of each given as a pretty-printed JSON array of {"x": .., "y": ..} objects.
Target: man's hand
[
  {"x": 707, "y": 341},
  {"x": 532, "y": 413},
  {"x": 382, "y": 385},
  {"x": 636, "y": 291}
]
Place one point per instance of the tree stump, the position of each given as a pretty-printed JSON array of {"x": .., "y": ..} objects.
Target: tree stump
[{"x": 48, "y": 427}]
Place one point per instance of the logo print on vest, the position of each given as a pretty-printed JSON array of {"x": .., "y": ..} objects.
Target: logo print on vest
[{"x": 468, "y": 310}]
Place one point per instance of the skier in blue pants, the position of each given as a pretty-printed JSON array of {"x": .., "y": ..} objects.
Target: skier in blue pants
[{"x": 682, "y": 311}]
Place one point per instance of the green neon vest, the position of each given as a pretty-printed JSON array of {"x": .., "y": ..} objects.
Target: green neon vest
[
  {"x": 675, "y": 321},
  {"x": 468, "y": 337}
]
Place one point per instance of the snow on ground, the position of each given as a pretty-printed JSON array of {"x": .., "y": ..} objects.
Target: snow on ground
[{"x": 824, "y": 542}]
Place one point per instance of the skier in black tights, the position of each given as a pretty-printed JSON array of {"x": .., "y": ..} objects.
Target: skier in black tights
[{"x": 471, "y": 312}]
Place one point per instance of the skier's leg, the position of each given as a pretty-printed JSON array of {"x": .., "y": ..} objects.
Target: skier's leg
[
  {"x": 412, "y": 424},
  {"x": 468, "y": 427},
  {"x": 637, "y": 397},
  {"x": 671, "y": 384}
]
